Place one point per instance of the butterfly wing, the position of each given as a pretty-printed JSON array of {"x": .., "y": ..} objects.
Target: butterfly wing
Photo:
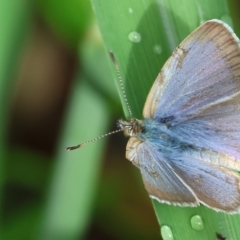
[
  {"x": 215, "y": 187},
  {"x": 159, "y": 178},
  {"x": 184, "y": 179},
  {"x": 198, "y": 90}
]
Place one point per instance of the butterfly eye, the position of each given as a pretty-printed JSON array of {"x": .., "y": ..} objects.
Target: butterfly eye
[{"x": 136, "y": 126}]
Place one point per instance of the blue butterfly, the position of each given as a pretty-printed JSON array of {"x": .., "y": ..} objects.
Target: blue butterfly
[{"x": 187, "y": 147}]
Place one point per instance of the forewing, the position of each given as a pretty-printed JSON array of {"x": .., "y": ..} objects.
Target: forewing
[
  {"x": 214, "y": 186},
  {"x": 158, "y": 176},
  {"x": 199, "y": 90},
  {"x": 216, "y": 128},
  {"x": 203, "y": 69}
]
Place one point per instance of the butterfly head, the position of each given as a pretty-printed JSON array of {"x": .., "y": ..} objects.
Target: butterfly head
[{"x": 131, "y": 127}]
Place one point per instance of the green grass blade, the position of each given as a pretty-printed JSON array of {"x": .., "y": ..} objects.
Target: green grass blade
[
  {"x": 13, "y": 22},
  {"x": 75, "y": 174},
  {"x": 161, "y": 26},
  {"x": 24, "y": 224},
  {"x": 69, "y": 19}
]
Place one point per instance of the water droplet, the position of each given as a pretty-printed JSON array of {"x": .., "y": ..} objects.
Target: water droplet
[
  {"x": 130, "y": 10},
  {"x": 134, "y": 37},
  {"x": 227, "y": 19},
  {"x": 157, "y": 49},
  {"x": 197, "y": 222},
  {"x": 166, "y": 233}
]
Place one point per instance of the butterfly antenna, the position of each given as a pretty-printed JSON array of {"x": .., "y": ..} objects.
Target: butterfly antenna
[
  {"x": 126, "y": 102},
  {"x": 121, "y": 82},
  {"x": 93, "y": 140}
]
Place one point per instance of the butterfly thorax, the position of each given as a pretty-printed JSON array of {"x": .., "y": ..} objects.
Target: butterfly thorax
[
  {"x": 161, "y": 135},
  {"x": 154, "y": 132},
  {"x": 131, "y": 127}
]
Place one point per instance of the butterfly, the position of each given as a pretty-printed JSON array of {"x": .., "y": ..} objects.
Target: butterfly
[{"x": 187, "y": 146}]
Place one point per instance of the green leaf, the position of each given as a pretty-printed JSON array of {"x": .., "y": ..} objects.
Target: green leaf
[
  {"x": 159, "y": 26},
  {"x": 68, "y": 18},
  {"x": 14, "y": 16},
  {"x": 75, "y": 176}
]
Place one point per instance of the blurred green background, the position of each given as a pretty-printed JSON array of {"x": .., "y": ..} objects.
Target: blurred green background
[{"x": 57, "y": 89}]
